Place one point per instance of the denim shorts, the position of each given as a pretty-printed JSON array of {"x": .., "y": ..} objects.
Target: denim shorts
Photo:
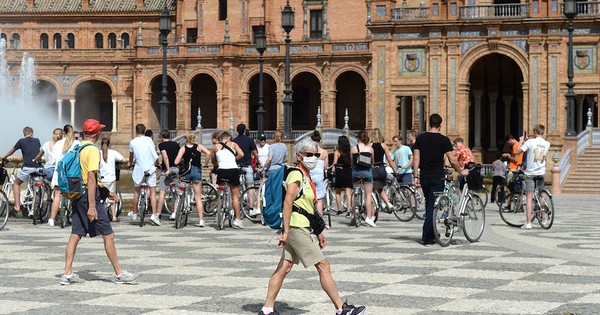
[
  {"x": 82, "y": 225},
  {"x": 367, "y": 174},
  {"x": 249, "y": 174},
  {"x": 25, "y": 172},
  {"x": 405, "y": 179},
  {"x": 195, "y": 174}
]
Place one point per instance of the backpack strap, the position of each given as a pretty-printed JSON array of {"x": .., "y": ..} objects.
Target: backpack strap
[
  {"x": 228, "y": 148},
  {"x": 302, "y": 183}
]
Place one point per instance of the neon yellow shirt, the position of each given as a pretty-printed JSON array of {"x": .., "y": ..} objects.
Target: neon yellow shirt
[{"x": 306, "y": 201}]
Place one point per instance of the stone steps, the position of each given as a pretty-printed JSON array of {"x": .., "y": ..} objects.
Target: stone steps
[{"x": 585, "y": 179}]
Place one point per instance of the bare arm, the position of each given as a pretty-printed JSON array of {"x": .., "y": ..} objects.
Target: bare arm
[
  {"x": 213, "y": 156},
  {"x": 38, "y": 156},
  {"x": 204, "y": 150},
  {"x": 389, "y": 159},
  {"x": 238, "y": 150},
  {"x": 92, "y": 214},
  {"x": 10, "y": 152},
  {"x": 180, "y": 155},
  {"x": 165, "y": 159},
  {"x": 416, "y": 162},
  {"x": 130, "y": 159},
  {"x": 454, "y": 162},
  {"x": 290, "y": 196}
]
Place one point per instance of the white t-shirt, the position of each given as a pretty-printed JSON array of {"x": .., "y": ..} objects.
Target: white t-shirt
[
  {"x": 263, "y": 153},
  {"x": 537, "y": 150},
  {"x": 145, "y": 155},
  {"x": 57, "y": 154},
  {"x": 107, "y": 169},
  {"x": 48, "y": 157}
]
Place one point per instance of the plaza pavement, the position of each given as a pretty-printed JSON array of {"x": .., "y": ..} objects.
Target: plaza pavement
[{"x": 205, "y": 271}]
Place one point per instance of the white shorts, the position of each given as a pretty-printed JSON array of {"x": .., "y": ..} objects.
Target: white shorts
[{"x": 151, "y": 181}]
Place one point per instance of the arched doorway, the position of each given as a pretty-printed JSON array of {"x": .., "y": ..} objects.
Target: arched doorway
[
  {"x": 269, "y": 99},
  {"x": 154, "y": 115},
  {"x": 93, "y": 99},
  {"x": 204, "y": 96},
  {"x": 350, "y": 95},
  {"x": 496, "y": 103},
  {"x": 307, "y": 97}
]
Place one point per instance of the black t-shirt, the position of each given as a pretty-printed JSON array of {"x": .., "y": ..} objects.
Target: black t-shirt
[
  {"x": 172, "y": 148},
  {"x": 247, "y": 145},
  {"x": 432, "y": 147},
  {"x": 192, "y": 154},
  {"x": 30, "y": 147}
]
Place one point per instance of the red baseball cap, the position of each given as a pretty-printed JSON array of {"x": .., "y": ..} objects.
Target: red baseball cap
[{"x": 92, "y": 127}]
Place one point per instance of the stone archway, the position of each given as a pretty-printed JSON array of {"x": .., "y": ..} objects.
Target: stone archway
[
  {"x": 204, "y": 97},
  {"x": 496, "y": 103},
  {"x": 307, "y": 97},
  {"x": 93, "y": 99},
  {"x": 154, "y": 114},
  {"x": 269, "y": 100},
  {"x": 350, "y": 95}
]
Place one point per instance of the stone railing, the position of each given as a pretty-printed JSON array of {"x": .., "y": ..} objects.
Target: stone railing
[
  {"x": 494, "y": 11},
  {"x": 564, "y": 165},
  {"x": 410, "y": 13},
  {"x": 587, "y": 138},
  {"x": 590, "y": 8}
]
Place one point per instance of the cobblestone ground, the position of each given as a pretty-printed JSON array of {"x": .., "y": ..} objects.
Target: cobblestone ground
[{"x": 205, "y": 271}]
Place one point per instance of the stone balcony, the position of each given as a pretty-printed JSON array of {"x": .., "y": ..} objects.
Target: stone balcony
[{"x": 495, "y": 11}]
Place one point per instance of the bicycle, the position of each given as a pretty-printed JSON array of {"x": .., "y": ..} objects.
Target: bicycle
[
  {"x": 543, "y": 206},
  {"x": 4, "y": 210},
  {"x": 42, "y": 196},
  {"x": 143, "y": 207},
  {"x": 402, "y": 198},
  {"x": 65, "y": 212},
  {"x": 210, "y": 198},
  {"x": 249, "y": 195},
  {"x": 26, "y": 197},
  {"x": 110, "y": 204},
  {"x": 183, "y": 203},
  {"x": 466, "y": 214},
  {"x": 359, "y": 203},
  {"x": 224, "y": 206}
]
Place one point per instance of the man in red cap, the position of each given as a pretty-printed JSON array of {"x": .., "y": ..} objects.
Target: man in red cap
[{"x": 89, "y": 215}]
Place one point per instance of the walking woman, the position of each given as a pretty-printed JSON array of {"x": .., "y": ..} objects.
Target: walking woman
[
  {"x": 380, "y": 151},
  {"x": 362, "y": 166},
  {"x": 191, "y": 153},
  {"x": 61, "y": 147},
  {"x": 342, "y": 161},
  {"x": 224, "y": 155},
  {"x": 108, "y": 172},
  {"x": 317, "y": 174}
]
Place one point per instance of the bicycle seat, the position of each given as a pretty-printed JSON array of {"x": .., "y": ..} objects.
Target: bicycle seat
[
  {"x": 40, "y": 172},
  {"x": 146, "y": 173}
]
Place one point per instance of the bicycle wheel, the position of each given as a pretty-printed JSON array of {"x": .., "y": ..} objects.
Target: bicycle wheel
[
  {"x": 36, "y": 205},
  {"x": 501, "y": 193},
  {"x": 210, "y": 198},
  {"x": 473, "y": 219},
  {"x": 63, "y": 213},
  {"x": 27, "y": 202},
  {"x": 376, "y": 205},
  {"x": 483, "y": 195},
  {"x": 119, "y": 202},
  {"x": 142, "y": 208},
  {"x": 420, "y": 207},
  {"x": 46, "y": 204},
  {"x": 512, "y": 209},
  {"x": 245, "y": 203},
  {"x": 443, "y": 225},
  {"x": 179, "y": 209},
  {"x": 357, "y": 204},
  {"x": 4, "y": 209},
  {"x": 546, "y": 215},
  {"x": 404, "y": 202}
]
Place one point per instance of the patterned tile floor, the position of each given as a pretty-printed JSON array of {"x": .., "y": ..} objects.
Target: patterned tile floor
[{"x": 205, "y": 271}]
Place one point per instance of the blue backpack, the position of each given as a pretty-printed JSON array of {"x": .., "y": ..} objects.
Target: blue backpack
[
  {"x": 275, "y": 190},
  {"x": 69, "y": 174}
]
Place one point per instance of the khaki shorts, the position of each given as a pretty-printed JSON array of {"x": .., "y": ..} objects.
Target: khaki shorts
[{"x": 302, "y": 246}]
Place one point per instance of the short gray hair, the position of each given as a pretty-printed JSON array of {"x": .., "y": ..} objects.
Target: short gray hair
[{"x": 306, "y": 143}]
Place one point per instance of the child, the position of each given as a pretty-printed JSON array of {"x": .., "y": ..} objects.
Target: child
[{"x": 499, "y": 173}]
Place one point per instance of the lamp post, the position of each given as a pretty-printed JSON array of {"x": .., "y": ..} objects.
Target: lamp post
[
  {"x": 261, "y": 45},
  {"x": 164, "y": 26},
  {"x": 570, "y": 12},
  {"x": 287, "y": 23}
]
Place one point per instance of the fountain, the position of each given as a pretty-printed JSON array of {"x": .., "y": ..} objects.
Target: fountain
[{"x": 19, "y": 105}]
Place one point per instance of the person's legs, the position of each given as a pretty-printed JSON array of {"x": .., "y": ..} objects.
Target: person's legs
[
  {"x": 369, "y": 201},
  {"x": 70, "y": 253},
  {"x": 430, "y": 187},
  {"x": 161, "y": 201},
  {"x": 327, "y": 283},
  {"x": 136, "y": 198},
  {"x": 338, "y": 199},
  {"x": 17, "y": 193},
  {"x": 198, "y": 196},
  {"x": 235, "y": 198},
  {"x": 153, "y": 201},
  {"x": 529, "y": 206},
  {"x": 283, "y": 268},
  {"x": 495, "y": 182},
  {"x": 56, "y": 198},
  {"x": 348, "y": 199},
  {"x": 111, "y": 252}
]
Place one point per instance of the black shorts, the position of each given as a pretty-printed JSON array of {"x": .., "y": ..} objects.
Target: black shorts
[
  {"x": 81, "y": 224},
  {"x": 231, "y": 175}
]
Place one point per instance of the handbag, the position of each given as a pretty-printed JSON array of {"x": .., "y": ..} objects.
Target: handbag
[
  {"x": 185, "y": 168},
  {"x": 363, "y": 160}
]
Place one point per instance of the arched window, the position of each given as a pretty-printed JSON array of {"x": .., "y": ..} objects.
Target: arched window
[
  {"x": 44, "y": 41},
  {"x": 70, "y": 41},
  {"x": 3, "y": 36},
  {"x": 99, "y": 38},
  {"x": 125, "y": 39},
  {"x": 15, "y": 41},
  {"x": 57, "y": 41},
  {"x": 112, "y": 40}
]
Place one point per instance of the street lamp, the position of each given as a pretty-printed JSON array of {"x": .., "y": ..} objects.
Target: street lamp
[
  {"x": 287, "y": 23},
  {"x": 164, "y": 26},
  {"x": 570, "y": 12},
  {"x": 261, "y": 45}
]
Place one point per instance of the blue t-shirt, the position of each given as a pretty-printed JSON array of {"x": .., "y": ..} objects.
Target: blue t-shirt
[
  {"x": 30, "y": 147},
  {"x": 247, "y": 145},
  {"x": 401, "y": 156}
]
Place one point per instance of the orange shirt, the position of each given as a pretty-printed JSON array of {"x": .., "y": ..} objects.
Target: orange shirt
[{"x": 513, "y": 166}]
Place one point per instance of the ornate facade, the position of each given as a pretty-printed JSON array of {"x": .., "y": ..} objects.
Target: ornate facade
[{"x": 490, "y": 68}]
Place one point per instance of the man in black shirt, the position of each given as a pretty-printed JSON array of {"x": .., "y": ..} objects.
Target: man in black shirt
[
  {"x": 168, "y": 151},
  {"x": 29, "y": 147},
  {"x": 428, "y": 163}
]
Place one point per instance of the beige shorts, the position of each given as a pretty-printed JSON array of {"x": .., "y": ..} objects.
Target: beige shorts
[{"x": 302, "y": 246}]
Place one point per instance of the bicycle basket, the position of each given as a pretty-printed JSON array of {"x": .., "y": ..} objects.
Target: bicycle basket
[{"x": 474, "y": 179}]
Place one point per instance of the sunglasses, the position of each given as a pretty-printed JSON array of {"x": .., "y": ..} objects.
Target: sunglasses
[{"x": 310, "y": 154}]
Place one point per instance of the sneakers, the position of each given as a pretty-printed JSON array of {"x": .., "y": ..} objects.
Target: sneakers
[
  {"x": 73, "y": 279},
  {"x": 274, "y": 312},
  {"x": 132, "y": 216},
  {"x": 238, "y": 224},
  {"x": 172, "y": 216},
  {"x": 50, "y": 222},
  {"x": 526, "y": 226},
  {"x": 390, "y": 207},
  {"x": 348, "y": 309},
  {"x": 254, "y": 212},
  {"x": 154, "y": 219},
  {"x": 370, "y": 222},
  {"x": 200, "y": 223},
  {"x": 126, "y": 277}
]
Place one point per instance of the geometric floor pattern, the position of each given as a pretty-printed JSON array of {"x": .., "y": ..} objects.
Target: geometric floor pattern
[{"x": 205, "y": 271}]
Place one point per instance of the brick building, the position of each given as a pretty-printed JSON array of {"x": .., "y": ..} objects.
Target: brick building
[{"x": 488, "y": 67}]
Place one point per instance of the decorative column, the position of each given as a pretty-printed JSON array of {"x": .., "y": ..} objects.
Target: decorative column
[
  {"x": 114, "y": 116},
  {"x": 59, "y": 107},
  {"x": 493, "y": 142},
  {"x": 421, "y": 113},
  {"x": 477, "y": 94},
  {"x": 579, "y": 105},
  {"x": 403, "y": 112},
  {"x": 72, "y": 101}
]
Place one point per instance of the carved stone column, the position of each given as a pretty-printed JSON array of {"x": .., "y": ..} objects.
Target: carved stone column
[
  {"x": 114, "y": 116},
  {"x": 59, "y": 108},
  {"x": 72, "y": 101},
  {"x": 421, "y": 113}
]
